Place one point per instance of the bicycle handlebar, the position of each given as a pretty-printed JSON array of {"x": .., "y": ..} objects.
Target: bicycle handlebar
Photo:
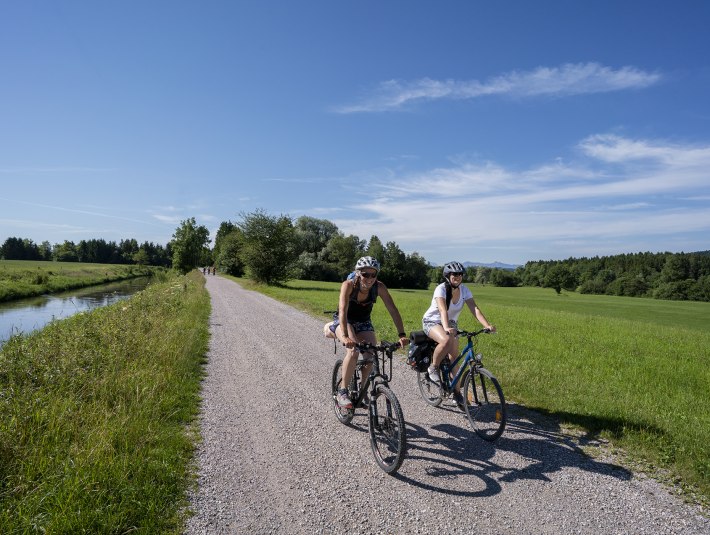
[{"x": 470, "y": 334}]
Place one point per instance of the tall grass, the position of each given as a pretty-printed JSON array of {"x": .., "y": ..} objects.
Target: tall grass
[
  {"x": 633, "y": 371},
  {"x": 95, "y": 413},
  {"x": 27, "y": 278}
]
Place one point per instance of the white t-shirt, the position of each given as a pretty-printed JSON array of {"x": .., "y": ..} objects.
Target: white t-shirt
[{"x": 455, "y": 308}]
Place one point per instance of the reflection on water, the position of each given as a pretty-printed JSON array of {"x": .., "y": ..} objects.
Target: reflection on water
[{"x": 26, "y": 315}]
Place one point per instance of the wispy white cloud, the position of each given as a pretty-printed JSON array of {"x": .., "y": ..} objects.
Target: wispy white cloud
[
  {"x": 597, "y": 200},
  {"x": 566, "y": 80},
  {"x": 102, "y": 214}
]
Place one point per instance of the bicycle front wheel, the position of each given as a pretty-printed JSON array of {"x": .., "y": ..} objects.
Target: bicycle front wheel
[
  {"x": 484, "y": 404},
  {"x": 345, "y": 416},
  {"x": 388, "y": 435},
  {"x": 430, "y": 391}
]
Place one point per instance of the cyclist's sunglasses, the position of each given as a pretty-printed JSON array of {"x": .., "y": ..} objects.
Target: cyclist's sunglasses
[
  {"x": 365, "y": 275},
  {"x": 456, "y": 274}
]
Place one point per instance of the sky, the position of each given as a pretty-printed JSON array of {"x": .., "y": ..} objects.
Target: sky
[{"x": 462, "y": 130}]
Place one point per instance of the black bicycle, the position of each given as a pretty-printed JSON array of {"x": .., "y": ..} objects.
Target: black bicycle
[
  {"x": 386, "y": 420},
  {"x": 483, "y": 400}
]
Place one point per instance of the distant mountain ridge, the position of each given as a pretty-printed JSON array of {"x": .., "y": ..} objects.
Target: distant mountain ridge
[{"x": 499, "y": 265}]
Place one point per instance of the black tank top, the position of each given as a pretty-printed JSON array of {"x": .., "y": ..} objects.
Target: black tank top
[{"x": 360, "y": 311}]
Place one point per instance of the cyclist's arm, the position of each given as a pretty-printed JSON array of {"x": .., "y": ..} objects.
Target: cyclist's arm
[
  {"x": 343, "y": 302},
  {"x": 479, "y": 315},
  {"x": 444, "y": 313},
  {"x": 384, "y": 293}
]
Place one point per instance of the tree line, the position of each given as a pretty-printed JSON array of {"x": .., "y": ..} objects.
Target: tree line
[
  {"x": 97, "y": 251},
  {"x": 675, "y": 276},
  {"x": 273, "y": 249}
]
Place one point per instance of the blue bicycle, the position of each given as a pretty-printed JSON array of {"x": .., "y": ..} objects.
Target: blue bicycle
[{"x": 483, "y": 401}]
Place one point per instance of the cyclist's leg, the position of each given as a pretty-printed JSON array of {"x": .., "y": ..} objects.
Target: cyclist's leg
[
  {"x": 351, "y": 354},
  {"x": 369, "y": 337},
  {"x": 443, "y": 341}
]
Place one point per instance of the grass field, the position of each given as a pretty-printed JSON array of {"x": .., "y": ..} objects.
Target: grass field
[
  {"x": 633, "y": 371},
  {"x": 27, "y": 278},
  {"x": 96, "y": 415}
]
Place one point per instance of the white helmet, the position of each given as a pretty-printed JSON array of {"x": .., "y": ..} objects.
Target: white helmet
[
  {"x": 367, "y": 262},
  {"x": 453, "y": 267}
]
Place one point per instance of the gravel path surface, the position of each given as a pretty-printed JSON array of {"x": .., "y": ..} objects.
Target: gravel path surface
[{"x": 274, "y": 459}]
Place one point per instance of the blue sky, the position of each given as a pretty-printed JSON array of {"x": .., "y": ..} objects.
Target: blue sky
[{"x": 468, "y": 130}]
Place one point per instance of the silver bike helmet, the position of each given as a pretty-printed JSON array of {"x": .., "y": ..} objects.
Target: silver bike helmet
[
  {"x": 453, "y": 267},
  {"x": 367, "y": 262}
]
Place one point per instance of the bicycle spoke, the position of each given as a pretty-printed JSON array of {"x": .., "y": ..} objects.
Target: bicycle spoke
[
  {"x": 387, "y": 430},
  {"x": 484, "y": 404}
]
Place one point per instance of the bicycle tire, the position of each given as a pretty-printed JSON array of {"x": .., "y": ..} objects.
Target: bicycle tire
[
  {"x": 344, "y": 416},
  {"x": 484, "y": 404},
  {"x": 430, "y": 391},
  {"x": 388, "y": 434}
]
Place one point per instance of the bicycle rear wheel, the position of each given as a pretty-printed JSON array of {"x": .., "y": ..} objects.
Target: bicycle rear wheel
[
  {"x": 430, "y": 391},
  {"x": 345, "y": 416},
  {"x": 484, "y": 404},
  {"x": 388, "y": 435}
]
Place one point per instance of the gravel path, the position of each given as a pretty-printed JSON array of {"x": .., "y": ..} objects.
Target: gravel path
[{"x": 275, "y": 460}]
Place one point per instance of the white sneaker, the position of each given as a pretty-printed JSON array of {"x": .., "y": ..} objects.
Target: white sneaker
[{"x": 434, "y": 375}]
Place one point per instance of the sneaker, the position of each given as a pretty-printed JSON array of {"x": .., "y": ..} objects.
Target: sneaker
[
  {"x": 434, "y": 375},
  {"x": 458, "y": 398},
  {"x": 344, "y": 400}
]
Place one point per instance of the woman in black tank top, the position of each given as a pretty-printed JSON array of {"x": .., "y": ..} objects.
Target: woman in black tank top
[{"x": 357, "y": 297}]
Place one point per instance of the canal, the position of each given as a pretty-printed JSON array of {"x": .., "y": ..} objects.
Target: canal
[{"x": 33, "y": 313}]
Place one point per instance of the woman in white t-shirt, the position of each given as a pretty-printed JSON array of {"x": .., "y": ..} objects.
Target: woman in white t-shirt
[{"x": 446, "y": 306}]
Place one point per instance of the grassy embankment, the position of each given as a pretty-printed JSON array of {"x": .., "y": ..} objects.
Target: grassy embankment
[
  {"x": 27, "y": 278},
  {"x": 96, "y": 413},
  {"x": 633, "y": 371}
]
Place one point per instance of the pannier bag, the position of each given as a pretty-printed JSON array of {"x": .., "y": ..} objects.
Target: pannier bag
[{"x": 421, "y": 349}]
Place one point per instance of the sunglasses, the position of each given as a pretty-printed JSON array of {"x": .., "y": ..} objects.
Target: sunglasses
[
  {"x": 456, "y": 274},
  {"x": 368, "y": 275}
]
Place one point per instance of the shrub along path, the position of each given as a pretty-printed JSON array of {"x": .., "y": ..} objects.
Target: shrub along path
[{"x": 275, "y": 460}]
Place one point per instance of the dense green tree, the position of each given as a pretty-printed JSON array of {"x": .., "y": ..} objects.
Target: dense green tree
[
  {"x": 341, "y": 253},
  {"x": 375, "y": 248},
  {"x": 483, "y": 275},
  {"x": 20, "y": 249},
  {"x": 45, "y": 250},
  {"x": 504, "y": 278},
  {"x": 13, "y": 249},
  {"x": 394, "y": 266},
  {"x": 228, "y": 259},
  {"x": 560, "y": 277},
  {"x": 225, "y": 229},
  {"x": 187, "y": 244},
  {"x": 66, "y": 252},
  {"x": 417, "y": 272},
  {"x": 269, "y": 246},
  {"x": 141, "y": 257},
  {"x": 314, "y": 234}
]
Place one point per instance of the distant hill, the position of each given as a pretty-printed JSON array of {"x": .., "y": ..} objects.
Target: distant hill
[{"x": 499, "y": 265}]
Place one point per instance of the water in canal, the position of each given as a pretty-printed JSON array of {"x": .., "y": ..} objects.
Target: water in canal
[{"x": 27, "y": 315}]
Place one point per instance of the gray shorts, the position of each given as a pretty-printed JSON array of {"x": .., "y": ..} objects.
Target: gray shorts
[
  {"x": 359, "y": 326},
  {"x": 427, "y": 325}
]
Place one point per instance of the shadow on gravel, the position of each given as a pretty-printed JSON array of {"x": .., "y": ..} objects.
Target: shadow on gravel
[{"x": 539, "y": 447}]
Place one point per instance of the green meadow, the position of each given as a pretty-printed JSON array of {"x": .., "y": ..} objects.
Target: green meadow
[
  {"x": 635, "y": 372},
  {"x": 27, "y": 278},
  {"x": 98, "y": 411},
  {"x": 97, "y": 415}
]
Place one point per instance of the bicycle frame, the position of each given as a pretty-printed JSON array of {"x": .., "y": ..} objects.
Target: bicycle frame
[
  {"x": 376, "y": 376},
  {"x": 468, "y": 356}
]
